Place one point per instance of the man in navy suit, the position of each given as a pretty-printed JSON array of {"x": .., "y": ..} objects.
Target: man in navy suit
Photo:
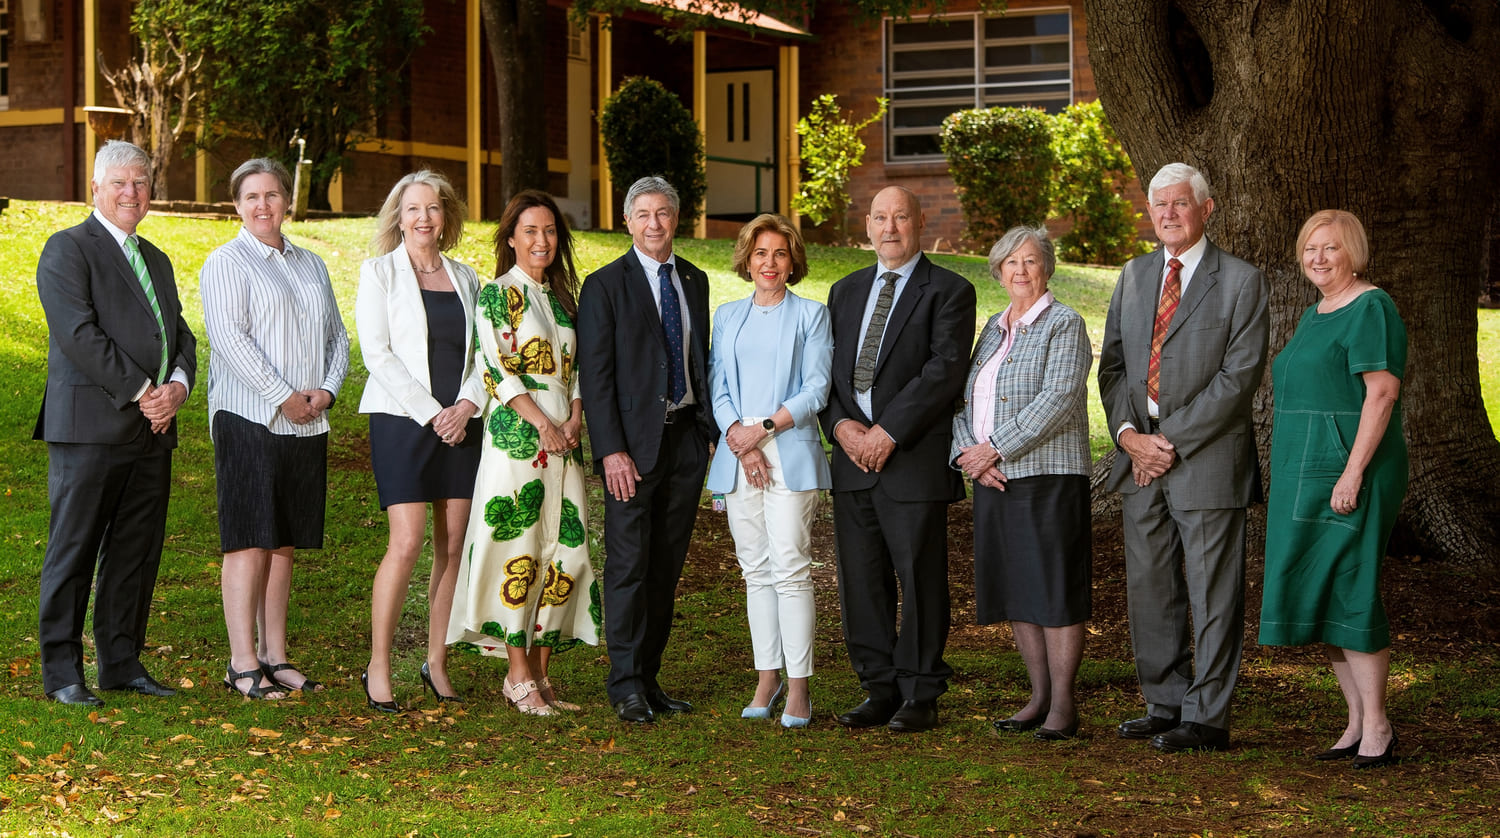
[
  {"x": 642, "y": 360},
  {"x": 902, "y": 332},
  {"x": 120, "y": 361}
]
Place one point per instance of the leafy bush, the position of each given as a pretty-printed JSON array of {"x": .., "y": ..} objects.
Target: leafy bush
[
  {"x": 647, "y": 131},
  {"x": 1001, "y": 160},
  {"x": 1092, "y": 173},
  {"x": 831, "y": 149}
]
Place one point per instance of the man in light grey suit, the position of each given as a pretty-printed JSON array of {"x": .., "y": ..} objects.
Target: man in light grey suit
[
  {"x": 120, "y": 361},
  {"x": 1184, "y": 349}
]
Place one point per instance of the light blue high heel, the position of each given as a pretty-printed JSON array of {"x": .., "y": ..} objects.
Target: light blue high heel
[
  {"x": 790, "y": 721},
  {"x": 765, "y": 712}
]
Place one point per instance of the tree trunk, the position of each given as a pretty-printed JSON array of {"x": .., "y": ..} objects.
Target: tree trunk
[
  {"x": 516, "y": 32},
  {"x": 1389, "y": 110}
]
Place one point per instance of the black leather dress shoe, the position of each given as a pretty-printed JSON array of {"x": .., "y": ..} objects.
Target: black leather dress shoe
[
  {"x": 662, "y": 703},
  {"x": 634, "y": 708},
  {"x": 1191, "y": 736},
  {"x": 1146, "y": 727},
  {"x": 873, "y": 712},
  {"x": 75, "y": 694},
  {"x": 915, "y": 717},
  {"x": 146, "y": 685}
]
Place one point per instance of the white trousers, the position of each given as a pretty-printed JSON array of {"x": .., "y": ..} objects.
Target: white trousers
[{"x": 772, "y": 529}]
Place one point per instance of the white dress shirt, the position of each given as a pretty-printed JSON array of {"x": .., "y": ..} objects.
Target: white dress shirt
[{"x": 653, "y": 272}]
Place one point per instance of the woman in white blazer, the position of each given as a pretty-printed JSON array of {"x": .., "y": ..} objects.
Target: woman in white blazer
[
  {"x": 415, "y": 317},
  {"x": 769, "y": 376}
]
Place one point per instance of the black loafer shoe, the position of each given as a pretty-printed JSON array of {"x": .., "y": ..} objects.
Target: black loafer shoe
[
  {"x": 146, "y": 685},
  {"x": 662, "y": 703},
  {"x": 1146, "y": 727},
  {"x": 873, "y": 712},
  {"x": 1015, "y": 725},
  {"x": 75, "y": 694},
  {"x": 1336, "y": 754},
  {"x": 634, "y": 708},
  {"x": 915, "y": 717},
  {"x": 1191, "y": 736}
]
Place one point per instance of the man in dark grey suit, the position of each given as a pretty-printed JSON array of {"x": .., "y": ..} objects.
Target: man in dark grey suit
[
  {"x": 120, "y": 361},
  {"x": 902, "y": 332},
  {"x": 643, "y": 367},
  {"x": 1184, "y": 349}
]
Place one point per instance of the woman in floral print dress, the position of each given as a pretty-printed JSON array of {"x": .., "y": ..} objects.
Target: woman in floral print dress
[{"x": 526, "y": 586}]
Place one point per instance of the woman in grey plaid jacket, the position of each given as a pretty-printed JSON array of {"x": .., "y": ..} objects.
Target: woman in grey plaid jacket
[{"x": 1022, "y": 436}]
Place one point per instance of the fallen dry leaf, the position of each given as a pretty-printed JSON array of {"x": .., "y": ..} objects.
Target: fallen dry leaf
[{"x": 265, "y": 734}]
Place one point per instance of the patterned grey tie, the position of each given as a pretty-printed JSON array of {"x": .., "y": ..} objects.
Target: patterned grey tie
[{"x": 869, "y": 350}]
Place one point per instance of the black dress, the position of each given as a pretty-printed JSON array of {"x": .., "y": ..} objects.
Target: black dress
[{"x": 411, "y": 464}]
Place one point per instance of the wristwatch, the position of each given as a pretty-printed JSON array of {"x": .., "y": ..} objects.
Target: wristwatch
[{"x": 770, "y": 426}]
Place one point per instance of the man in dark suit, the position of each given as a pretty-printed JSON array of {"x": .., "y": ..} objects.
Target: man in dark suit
[
  {"x": 902, "y": 332},
  {"x": 1184, "y": 349},
  {"x": 642, "y": 360},
  {"x": 120, "y": 361}
]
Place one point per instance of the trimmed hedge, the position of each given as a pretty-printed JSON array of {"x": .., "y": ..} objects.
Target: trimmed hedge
[
  {"x": 1001, "y": 160},
  {"x": 647, "y": 131},
  {"x": 1092, "y": 173}
]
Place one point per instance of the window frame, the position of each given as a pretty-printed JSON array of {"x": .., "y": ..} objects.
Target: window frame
[
  {"x": 978, "y": 92},
  {"x": 7, "y": 45}
]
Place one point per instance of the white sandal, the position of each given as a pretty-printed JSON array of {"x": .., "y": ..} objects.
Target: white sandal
[
  {"x": 517, "y": 693},
  {"x": 544, "y": 685}
]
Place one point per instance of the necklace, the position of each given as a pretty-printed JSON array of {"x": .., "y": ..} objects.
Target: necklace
[{"x": 428, "y": 270}]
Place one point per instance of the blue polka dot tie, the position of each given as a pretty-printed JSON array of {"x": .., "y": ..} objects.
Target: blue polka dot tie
[{"x": 671, "y": 326}]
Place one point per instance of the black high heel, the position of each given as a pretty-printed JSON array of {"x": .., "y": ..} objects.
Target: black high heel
[
  {"x": 1334, "y": 754},
  {"x": 1387, "y": 757},
  {"x": 383, "y": 706},
  {"x": 426, "y": 673}
]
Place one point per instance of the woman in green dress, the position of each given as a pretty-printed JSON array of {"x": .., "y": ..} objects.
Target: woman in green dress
[
  {"x": 1338, "y": 475},
  {"x": 525, "y": 587}
]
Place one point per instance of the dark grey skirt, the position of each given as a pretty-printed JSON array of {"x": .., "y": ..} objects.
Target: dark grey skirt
[
  {"x": 272, "y": 487},
  {"x": 412, "y": 465},
  {"x": 1033, "y": 551}
]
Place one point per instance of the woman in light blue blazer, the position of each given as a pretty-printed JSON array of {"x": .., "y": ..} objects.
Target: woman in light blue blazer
[
  {"x": 415, "y": 315},
  {"x": 768, "y": 372}
]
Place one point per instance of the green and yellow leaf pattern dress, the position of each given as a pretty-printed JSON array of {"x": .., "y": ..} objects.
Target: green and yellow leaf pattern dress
[{"x": 526, "y": 578}]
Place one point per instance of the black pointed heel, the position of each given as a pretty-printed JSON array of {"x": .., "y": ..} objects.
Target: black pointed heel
[
  {"x": 1388, "y": 757},
  {"x": 426, "y": 673},
  {"x": 383, "y": 706}
]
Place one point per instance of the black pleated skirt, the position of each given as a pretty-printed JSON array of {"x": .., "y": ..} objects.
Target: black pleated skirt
[
  {"x": 1033, "y": 551},
  {"x": 272, "y": 487}
]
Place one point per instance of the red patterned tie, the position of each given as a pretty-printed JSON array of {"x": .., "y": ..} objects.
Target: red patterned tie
[{"x": 1171, "y": 295}]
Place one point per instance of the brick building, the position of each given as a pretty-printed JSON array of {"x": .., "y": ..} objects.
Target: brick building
[{"x": 746, "y": 83}]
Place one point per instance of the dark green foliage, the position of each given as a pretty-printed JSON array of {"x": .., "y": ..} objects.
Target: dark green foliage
[
  {"x": 647, "y": 131},
  {"x": 1002, "y": 162},
  {"x": 1092, "y": 173},
  {"x": 325, "y": 70}
]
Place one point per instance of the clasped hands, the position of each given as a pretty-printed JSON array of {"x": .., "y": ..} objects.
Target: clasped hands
[
  {"x": 304, "y": 406},
  {"x": 451, "y": 424},
  {"x": 868, "y": 448},
  {"x": 1151, "y": 455},
  {"x": 981, "y": 462},
  {"x": 160, "y": 404}
]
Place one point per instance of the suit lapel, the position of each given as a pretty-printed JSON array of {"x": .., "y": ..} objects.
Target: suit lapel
[
  {"x": 916, "y": 288},
  {"x": 115, "y": 257},
  {"x": 639, "y": 297},
  {"x": 735, "y": 316},
  {"x": 1204, "y": 279},
  {"x": 851, "y": 317}
]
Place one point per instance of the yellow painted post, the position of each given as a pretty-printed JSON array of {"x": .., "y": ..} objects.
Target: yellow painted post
[
  {"x": 791, "y": 96},
  {"x": 90, "y": 85},
  {"x": 473, "y": 97},
  {"x": 605, "y": 47},
  {"x": 200, "y": 170},
  {"x": 700, "y": 111}
]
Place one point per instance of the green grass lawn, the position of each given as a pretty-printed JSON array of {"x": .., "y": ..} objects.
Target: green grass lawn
[{"x": 208, "y": 762}]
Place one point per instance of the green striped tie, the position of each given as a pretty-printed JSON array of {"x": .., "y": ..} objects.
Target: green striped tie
[{"x": 138, "y": 264}]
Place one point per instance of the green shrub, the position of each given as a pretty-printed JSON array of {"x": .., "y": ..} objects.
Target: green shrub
[
  {"x": 831, "y": 149},
  {"x": 647, "y": 131},
  {"x": 1092, "y": 173},
  {"x": 1002, "y": 162}
]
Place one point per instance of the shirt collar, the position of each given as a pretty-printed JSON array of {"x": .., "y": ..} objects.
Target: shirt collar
[
  {"x": 262, "y": 249},
  {"x": 904, "y": 270},
  {"x": 653, "y": 267},
  {"x": 119, "y": 235},
  {"x": 1032, "y": 313},
  {"x": 1189, "y": 258}
]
